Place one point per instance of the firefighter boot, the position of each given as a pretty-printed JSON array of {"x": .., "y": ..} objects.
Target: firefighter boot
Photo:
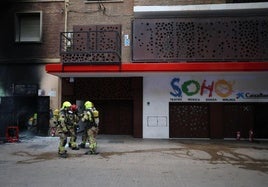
[
  {"x": 62, "y": 154},
  {"x": 82, "y": 145},
  {"x": 75, "y": 148},
  {"x": 91, "y": 152}
]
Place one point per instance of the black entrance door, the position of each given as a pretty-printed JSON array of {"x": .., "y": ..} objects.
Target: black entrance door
[
  {"x": 189, "y": 120},
  {"x": 115, "y": 117}
]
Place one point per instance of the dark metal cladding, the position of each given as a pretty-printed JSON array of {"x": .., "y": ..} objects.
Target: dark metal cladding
[
  {"x": 99, "y": 44},
  {"x": 201, "y": 39}
]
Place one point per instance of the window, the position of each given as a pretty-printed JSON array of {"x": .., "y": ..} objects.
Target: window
[{"x": 28, "y": 27}]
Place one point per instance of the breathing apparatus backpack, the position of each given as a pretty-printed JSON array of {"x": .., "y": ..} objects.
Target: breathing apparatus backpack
[{"x": 94, "y": 114}]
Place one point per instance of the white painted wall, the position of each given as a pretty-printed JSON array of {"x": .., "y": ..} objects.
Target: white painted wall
[
  {"x": 157, "y": 88},
  {"x": 155, "y": 106},
  {"x": 50, "y": 87}
]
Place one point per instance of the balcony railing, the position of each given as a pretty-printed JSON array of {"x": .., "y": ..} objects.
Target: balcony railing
[{"x": 90, "y": 47}]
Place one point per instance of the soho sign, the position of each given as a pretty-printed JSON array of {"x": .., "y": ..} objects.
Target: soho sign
[{"x": 222, "y": 88}]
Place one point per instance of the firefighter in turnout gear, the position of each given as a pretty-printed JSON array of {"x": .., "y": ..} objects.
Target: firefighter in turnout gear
[
  {"x": 54, "y": 123},
  {"x": 91, "y": 120},
  {"x": 68, "y": 119},
  {"x": 73, "y": 130}
]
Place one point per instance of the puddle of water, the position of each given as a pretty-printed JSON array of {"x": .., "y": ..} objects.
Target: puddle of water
[
  {"x": 3, "y": 162},
  {"x": 211, "y": 153},
  {"x": 225, "y": 154},
  {"x": 34, "y": 158}
]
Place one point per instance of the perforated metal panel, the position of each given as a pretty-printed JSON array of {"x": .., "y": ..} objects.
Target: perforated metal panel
[
  {"x": 106, "y": 38},
  {"x": 189, "y": 120},
  {"x": 92, "y": 44},
  {"x": 201, "y": 39}
]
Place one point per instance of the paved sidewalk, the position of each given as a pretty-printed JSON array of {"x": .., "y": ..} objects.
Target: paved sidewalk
[{"x": 124, "y": 161}]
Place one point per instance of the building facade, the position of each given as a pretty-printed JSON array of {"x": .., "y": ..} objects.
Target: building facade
[
  {"x": 188, "y": 69},
  {"x": 29, "y": 40},
  {"x": 163, "y": 69}
]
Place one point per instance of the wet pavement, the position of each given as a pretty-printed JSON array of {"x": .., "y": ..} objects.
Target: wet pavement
[{"x": 126, "y": 161}]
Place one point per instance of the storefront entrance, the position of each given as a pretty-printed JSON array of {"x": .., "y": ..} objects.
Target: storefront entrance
[
  {"x": 116, "y": 117},
  {"x": 189, "y": 120},
  {"x": 118, "y": 99},
  {"x": 218, "y": 120}
]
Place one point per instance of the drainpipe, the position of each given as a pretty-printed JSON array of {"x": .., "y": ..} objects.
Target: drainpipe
[{"x": 66, "y": 4}]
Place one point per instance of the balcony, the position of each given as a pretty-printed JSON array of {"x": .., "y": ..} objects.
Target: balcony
[{"x": 90, "y": 47}]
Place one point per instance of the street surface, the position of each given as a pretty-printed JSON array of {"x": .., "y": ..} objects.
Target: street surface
[{"x": 124, "y": 161}]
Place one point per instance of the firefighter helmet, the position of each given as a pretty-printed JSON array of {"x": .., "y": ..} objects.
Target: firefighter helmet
[
  {"x": 74, "y": 107},
  {"x": 88, "y": 105},
  {"x": 56, "y": 112},
  {"x": 66, "y": 104}
]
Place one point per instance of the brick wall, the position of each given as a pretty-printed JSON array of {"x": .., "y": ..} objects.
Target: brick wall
[
  {"x": 81, "y": 13},
  {"x": 53, "y": 24}
]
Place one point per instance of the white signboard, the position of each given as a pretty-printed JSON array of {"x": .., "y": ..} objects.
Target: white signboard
[{"x": 246, "y": 88}]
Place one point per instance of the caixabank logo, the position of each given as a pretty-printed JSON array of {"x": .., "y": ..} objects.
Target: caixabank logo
[{"x": 248, "y": 95}]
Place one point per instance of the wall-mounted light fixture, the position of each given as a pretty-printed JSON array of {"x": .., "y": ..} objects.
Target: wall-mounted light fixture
[{"x": 71, "y": 80}]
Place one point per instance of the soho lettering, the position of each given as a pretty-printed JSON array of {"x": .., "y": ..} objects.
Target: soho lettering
[{"x": 221, "y": 87}]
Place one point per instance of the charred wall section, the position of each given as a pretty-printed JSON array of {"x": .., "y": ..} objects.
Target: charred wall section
[
  {"x": 17, "y": 110},
  {"x": 52, "y": 25}
]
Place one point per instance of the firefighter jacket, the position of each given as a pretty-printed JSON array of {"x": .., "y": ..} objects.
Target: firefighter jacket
[
  {"x": 67, "y": 120},
  {"x": 91, "y": 117}
]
